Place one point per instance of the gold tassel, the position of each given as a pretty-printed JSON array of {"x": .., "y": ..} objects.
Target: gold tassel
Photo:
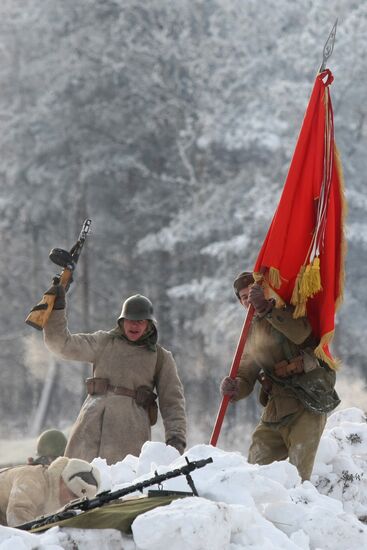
[
  {"x": 304, "y": 284},
  {"x": 310, "y": 282},
  {"x": 315, "y": 277},
  {"x": 274, "y": 277},
  {"x": 295, "y": 299}
]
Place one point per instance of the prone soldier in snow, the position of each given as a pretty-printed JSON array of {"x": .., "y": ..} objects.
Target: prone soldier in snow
[
  {"x": 128, "y": 365},
  {"x": 27, "y": 492},
  {"x": 297, "y": 387}
]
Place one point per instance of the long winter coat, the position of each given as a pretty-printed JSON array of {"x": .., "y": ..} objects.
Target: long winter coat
[
  {"x": 111, "y": 426},
  {"x": 275, "y": 338},
  {"x": 27, "y": 492}
]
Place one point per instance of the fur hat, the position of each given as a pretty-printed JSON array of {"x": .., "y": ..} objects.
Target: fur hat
[
  {"x": 243, "y": 280},
  {"x": 81, "y": 478}
]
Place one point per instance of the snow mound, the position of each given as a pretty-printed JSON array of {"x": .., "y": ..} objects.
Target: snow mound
[{"x": 241, "y": 505}]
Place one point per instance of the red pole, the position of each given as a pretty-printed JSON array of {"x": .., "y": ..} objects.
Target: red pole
[{"x": 233, "y": 373}]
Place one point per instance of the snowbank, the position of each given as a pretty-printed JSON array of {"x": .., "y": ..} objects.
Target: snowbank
[{"x": 241, "y": 506}]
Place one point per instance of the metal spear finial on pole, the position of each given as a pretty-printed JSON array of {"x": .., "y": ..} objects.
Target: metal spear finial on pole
[{"x": 328, "y": 48}]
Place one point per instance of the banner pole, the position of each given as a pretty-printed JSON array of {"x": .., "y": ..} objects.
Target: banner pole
[{"x": 233, "y": 373}]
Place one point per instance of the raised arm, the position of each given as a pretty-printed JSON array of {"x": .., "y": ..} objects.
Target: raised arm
[
  {"x": 77, "y": 347},
  {"x": 297, "y": 330}
]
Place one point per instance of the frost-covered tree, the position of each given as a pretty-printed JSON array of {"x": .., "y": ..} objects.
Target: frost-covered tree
[{"x": 172, "y": 126}]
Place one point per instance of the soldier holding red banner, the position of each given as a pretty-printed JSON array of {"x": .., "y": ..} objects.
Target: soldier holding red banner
[{"x": 297, "y": 387}]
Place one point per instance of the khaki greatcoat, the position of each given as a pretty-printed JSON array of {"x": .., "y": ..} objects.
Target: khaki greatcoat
[{"x": 111, "y": 426}]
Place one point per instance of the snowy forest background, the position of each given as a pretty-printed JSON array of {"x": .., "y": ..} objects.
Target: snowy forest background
[{"x": 171, "y": 125}]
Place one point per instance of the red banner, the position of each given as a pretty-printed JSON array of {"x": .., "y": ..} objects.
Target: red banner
[{"x": 303, "y": 252}]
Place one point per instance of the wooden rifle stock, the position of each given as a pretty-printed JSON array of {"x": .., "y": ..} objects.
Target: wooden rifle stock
[{"x": 40, "y": 313}]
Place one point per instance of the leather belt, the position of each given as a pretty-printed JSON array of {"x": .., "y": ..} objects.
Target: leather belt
[
  {"x": 100, "y": 386},
  {"x": 120, "y": 390}
]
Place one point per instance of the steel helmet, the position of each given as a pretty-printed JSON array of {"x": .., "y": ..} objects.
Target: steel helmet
[
  {"x": 51, "y": 443},
  {"x": 137, "y": 308}
]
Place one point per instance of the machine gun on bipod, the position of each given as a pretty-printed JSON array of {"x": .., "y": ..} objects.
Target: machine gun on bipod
[{"x": 76, "y": 507}]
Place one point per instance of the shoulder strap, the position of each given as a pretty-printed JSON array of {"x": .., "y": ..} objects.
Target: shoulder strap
[
  {"x": 159, "y": 363},
  {"x": 99, "y": 354},
  {"x": 283, "y": 343}
]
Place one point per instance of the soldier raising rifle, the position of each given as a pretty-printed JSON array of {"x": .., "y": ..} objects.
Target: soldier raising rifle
[{"x": 128, "y": 365}]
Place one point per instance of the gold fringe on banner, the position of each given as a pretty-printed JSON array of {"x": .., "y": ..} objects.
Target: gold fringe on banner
[
  {"x": 300, "y": 310},
  {"x": 319, "y": 352},
  {"x": 339, "y": 168}
]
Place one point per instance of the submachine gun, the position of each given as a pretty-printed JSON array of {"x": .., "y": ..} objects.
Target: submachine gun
[
  {"x": 75, "y": 507},
  {"x": 40, "y": 313}
]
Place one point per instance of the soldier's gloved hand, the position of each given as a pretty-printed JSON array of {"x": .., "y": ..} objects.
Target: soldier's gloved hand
[
  {"x": 230, "y": 387},
  {"x": 256, "y": 297},
  {"x": 59, "y": 292},
  {"x": 177, "y": 443}
]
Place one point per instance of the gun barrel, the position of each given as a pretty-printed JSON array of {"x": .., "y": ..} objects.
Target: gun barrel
[
  {"x": 85, "y": 229},
  {"x": 158, "y": 478}
]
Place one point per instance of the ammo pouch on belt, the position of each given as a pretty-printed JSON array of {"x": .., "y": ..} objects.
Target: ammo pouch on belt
[
  {"x": 146, "y": 398},
  {"x": 266, "y": 387},
  {"x": 285, "y": 368},
  {"x": 304, "y": 363},
  {"x": 97, "y": 385}
]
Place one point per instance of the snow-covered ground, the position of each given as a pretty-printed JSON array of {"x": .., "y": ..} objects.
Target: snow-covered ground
[{"x": 241, "y": 506}]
